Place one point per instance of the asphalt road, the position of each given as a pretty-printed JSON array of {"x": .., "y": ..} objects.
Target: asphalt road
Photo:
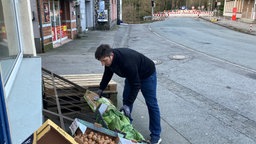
[{"x": 207, "y": 97}]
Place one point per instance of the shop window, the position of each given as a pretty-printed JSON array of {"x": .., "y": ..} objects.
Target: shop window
[
  {"x": 10, "y": 50},
  {"x": 46, "y": 12}
]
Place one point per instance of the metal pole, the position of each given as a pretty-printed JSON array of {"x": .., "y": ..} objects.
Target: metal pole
[
  {"x": 58, "y": 103},
  {"x": 152, "y": 9},
  {"x": 41, "y": 26}
]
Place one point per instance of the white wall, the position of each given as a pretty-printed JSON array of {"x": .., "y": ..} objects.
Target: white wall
[
  {"x": 254, "y": 12},
  {"x": 89, "y": 7},
  {"x": 86, "y": 14},
  {"x": 24, "y": 103},
  {"x": 121, "y": 10},
  {"x": 82, "y": 15},
  {"x": 26, "y": 27}
]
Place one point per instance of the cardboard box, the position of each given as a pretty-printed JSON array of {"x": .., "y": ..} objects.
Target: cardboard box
[
  {"x": 89, "y": 98},
  {"x": 50, "y": 133},
  {"x": 98, "y": 114},
  {"x": 79, "y": 125}
]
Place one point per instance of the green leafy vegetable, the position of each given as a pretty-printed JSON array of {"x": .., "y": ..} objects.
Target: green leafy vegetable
[{"x": 116, "y": 120}]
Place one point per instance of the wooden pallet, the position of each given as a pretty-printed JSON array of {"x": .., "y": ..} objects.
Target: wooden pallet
[
  {"x": 63, "y": 100},
  {"x": 63, "y": 96},
  {"x": 92, "y": 82}
]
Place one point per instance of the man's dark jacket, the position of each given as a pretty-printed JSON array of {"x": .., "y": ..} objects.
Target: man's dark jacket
[{"x": 131, "y": 65}]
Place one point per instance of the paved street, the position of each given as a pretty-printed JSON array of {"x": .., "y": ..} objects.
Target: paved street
[{"x": 207, "y": 96}]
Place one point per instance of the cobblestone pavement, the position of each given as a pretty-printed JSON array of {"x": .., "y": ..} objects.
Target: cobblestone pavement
[{"x": 238, "y": 25}]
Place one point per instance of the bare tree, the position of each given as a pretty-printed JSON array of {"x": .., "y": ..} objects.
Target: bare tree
[{"x": 135, "y": 10}]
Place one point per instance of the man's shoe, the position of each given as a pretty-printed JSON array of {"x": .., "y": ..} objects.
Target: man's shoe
[{"x": 158, "y": 142}]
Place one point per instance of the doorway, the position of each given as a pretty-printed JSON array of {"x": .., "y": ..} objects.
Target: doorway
[{"x": 58, "y": 30}]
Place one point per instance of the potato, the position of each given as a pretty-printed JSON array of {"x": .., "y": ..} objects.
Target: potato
[
  {"x": 90, "y": 136},
  {"x": 78, "y": 140},
  {"x": 94, "y": 137},
  {"x": 85, "y": 139},
  {"x": 91, "y": 133}
]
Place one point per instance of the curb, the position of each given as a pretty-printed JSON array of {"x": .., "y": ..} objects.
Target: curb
[{"x": 229, "y": 27}]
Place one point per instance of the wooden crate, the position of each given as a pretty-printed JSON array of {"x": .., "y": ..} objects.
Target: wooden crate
[{"x": 50, "y": 133}]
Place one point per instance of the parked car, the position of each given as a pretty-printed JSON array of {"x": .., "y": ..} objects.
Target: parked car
[{"x": 183, "y": 8}]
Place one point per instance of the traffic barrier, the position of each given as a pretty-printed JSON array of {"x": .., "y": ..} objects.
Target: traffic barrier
[{"x": 186, "y": 13}]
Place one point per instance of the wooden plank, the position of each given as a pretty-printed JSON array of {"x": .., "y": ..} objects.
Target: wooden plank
[{"x": 90, "y": 80}]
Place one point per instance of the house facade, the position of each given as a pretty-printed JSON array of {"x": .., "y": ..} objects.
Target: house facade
[
  {"x": 56, "y": 22},
  {"x": 97, "y": 14},
  {"x": 243, "y": 9}
]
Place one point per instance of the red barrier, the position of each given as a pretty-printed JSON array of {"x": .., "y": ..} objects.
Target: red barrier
[{"x": 234, "y": 14}]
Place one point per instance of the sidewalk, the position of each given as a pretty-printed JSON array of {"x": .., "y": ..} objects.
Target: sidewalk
[{"x": 237, "y": 25}]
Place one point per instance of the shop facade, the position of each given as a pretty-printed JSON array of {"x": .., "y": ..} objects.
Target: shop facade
[
  {"x": 56, "y": 20},
  {"x": 106, "y": 14},
  {"x": 97, "y": 14}
]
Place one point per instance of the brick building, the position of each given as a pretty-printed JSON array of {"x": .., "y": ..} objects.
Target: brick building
[{"x": 54, "y": 22}]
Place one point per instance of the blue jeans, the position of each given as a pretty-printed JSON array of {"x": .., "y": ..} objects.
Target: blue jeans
[{"x": 148, "y": 89}]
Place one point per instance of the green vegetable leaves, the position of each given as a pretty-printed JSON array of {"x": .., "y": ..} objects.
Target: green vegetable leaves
[{"x": 116, "y": 120}]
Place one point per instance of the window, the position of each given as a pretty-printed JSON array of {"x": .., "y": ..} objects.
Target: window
[
  {"x": 4, "y": 127},
  {"x": 10, "y": 50},
  {"x": 10, "y": 57}
]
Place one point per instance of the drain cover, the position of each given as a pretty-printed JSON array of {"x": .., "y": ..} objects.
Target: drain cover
[
  {"x": 157, "y": 62},
  {"x": 177, "y": 57}
]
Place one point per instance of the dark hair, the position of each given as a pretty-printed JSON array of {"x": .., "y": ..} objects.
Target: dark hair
[{"x": 102, "y": 51}]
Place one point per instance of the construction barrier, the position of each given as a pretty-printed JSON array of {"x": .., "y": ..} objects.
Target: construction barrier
[
  {"x": 189, "y": 13},
  {"x": 250, "y": 29}
]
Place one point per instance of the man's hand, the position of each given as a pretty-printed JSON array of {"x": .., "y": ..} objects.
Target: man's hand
[
  {"x": 99, "y": 94},
  {"x": 126, "y": 111}
]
